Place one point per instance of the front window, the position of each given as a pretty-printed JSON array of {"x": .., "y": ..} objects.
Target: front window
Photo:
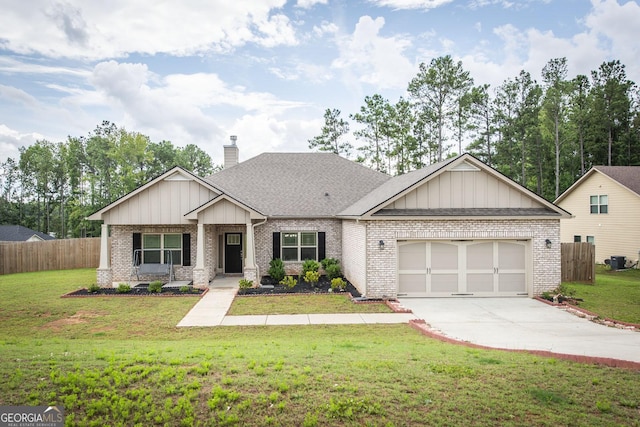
[
  {"x": 298, "y": 246},
  {"x": 599, "y": 204},
  {"x": 162, "y": 249},
  {"x": 577, "y": 239},
  {"x": 591, "y": 239}
]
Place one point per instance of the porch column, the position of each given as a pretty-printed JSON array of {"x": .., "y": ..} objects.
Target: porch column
[
  {"x": 105, "y": 259},
  {"x": 200, "y": 248},
  {"x": 200, "y": 272},
  {"x": 250, "y": 269},
  {"x": 104, "y": 273}
]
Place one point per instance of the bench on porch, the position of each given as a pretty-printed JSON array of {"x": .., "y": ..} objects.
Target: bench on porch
[{"x": 151, "y": 269}]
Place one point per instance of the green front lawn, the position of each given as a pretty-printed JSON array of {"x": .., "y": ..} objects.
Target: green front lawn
[
  {"x": 122, "y": 361},
  {"x": 301, "y": 304},
  {"x": 616, "y": 294}
]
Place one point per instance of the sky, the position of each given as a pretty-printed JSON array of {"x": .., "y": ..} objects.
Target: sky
[{"x": 198, "y": 71}]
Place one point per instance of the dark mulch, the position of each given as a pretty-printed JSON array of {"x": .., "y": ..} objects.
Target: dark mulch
[
  {"x": 268, "y": 286},
  {"x": 138, "y": 290}
]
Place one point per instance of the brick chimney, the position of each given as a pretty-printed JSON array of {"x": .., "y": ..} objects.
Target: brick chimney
[{"x": 231, "y": 153}]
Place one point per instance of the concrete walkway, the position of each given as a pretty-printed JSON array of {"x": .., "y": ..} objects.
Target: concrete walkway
[
  {"x": 212, "y": 309},
  {"x": 523, "y": 324}
]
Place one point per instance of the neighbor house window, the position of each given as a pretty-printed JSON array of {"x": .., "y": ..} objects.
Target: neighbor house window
[
  {"x": 162, "y": 249},
  {"x": 591, "y": 239},
  {"x": 577, "y": 239},
  {"x": 599, "y": 204},
  {"x": 298, "y": 246}
]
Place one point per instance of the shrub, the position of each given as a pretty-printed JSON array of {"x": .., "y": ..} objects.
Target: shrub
[
  {"x": 245, "y": 284},
  {"x": 310, "y": 265},
  {"x": 328, "y": 261},
  {"x": 155, "y": 286},
  {"x": 276, "y": 269},
  {"x": 311, "y": 277},
  {"x": 185, "y": 289},
  {"x": 123, "y": 288},
  {"x": 333, "y": 271},
  {"x": 338, "y": 284},
  {"x": 289, "y": 282},
  {"x": 93, "y": 288}
]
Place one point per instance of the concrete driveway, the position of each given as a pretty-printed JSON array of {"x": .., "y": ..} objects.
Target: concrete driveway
[{"x": 525, "y": 324}]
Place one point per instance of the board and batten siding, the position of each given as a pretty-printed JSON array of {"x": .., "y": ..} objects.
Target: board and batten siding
[
  {"x": 163, "y": 203},
  {"x": 464, "y": 189},
  {"x": 616, "y": 232},
  {"x": 224, "y": 212}
]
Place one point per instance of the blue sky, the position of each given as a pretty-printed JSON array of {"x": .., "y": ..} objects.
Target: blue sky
[{"x": 265, "y": 70}]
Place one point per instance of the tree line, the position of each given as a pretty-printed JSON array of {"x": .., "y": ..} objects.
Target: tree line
[
  {"x": 53, "y": 187},
  {"x": 543, "y": 135}
]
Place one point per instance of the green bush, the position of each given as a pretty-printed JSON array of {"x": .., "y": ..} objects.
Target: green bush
[
  {"x": 311, "y": 277},
  {"x": 185, "y": 289},
  {"x": 338, "y": 284},
  {"x": 155, "y": 286},
  {"x": 123, "y": 288},
  {"x": 93, "y": 288},
  {"x": 333, "y": 271},
  {"x": 309, "y": 265},
  {"x": 276, "y": 269},
  {"x": 245, "y": 284},
  {"x": 328, "y": 261},
  {"x": 289, "y": 282}
]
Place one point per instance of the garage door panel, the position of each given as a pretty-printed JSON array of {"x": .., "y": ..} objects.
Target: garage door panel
[
  {"x": 480, "y": 256},
  {"x": 511, "y": 256},
  {"x": 442, "y": 283},
  {"x": 480, "y": 282},
  {"x": 413, "y": 256},
  {"x": 444, "y": 256},
  {"x": 512, "y": 282},
  {"x": 413, "y": 283}
]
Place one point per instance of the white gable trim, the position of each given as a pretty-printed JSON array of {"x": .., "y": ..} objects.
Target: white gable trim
[
  {"x": 177, "y": 173},
  {"x": 193, "y": 215}
]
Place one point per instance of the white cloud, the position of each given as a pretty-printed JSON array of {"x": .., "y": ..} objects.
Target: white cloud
[
  {"x": 97, "y": 30},
  {"x": 411, "y": 4},
  {"x": 18, "y": 96},
  {"x": 11, "y": 140},
  {"x": 370, "y": 58},
  {"x": 308, "y": 4}
]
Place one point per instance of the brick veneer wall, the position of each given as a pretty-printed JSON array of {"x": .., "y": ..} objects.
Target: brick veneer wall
[
  {"x": 122, "y": 251},
  {"x": 264, "y": 239},
  {"x": 382, "y": 264},
  {"x": 354, "y": 256}
]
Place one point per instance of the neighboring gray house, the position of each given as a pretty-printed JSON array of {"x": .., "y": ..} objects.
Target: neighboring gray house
[
  {"x": 18, "y": 233},
  {"x": 454, "y": 228}
]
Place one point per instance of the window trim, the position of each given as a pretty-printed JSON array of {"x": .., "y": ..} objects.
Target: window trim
[
  {"x": 299, "y": 246},
  {"x": 162, "y": 248},
  {"x": 600, "y": 208}
]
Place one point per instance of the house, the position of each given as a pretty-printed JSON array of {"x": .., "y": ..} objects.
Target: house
[
  {"x": 454, "y": 228},
  {"x": 18, "y": 233},
  {"x": 606, "y": 204}
]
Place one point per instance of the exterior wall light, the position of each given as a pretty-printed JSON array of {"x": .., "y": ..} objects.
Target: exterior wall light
[
  {"x": 547, "y": 243},
  {"x": 381, "y": 244}
]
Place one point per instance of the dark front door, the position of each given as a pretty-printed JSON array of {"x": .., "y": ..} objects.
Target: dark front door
[{"x": 233, "y": 253}]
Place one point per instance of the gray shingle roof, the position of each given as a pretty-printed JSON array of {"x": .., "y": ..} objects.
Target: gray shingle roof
[
  {"x": 391, "y": 188},
  {"x": 629, "y": 176},
  {"x": 297, "y": 184},
  {"x": 465, "y": 212},
  {"x": 18, "y": 233}
]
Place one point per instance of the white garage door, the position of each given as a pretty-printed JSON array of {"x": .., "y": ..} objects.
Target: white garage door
[{"x": 462, "y": 268}]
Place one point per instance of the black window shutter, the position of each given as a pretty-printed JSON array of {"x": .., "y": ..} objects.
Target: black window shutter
[
  {"x": 137, "y": 244},
  {"x": 276, "y": 245},
  {"x": 186, "y": 249},
  {"x": 322, "y": 247}
]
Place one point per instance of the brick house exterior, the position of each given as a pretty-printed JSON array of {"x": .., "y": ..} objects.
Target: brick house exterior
[{"x": 457, "y": 227}]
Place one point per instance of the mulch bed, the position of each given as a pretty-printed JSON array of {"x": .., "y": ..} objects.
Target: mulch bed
[
  {"x": 268, "y": 286},
  {"x": 141, "y": 290}
]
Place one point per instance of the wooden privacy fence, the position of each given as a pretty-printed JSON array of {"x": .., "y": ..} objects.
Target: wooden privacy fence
[
  {"x": 578, "y": 262},
  {"x": 22, "y": 257}
]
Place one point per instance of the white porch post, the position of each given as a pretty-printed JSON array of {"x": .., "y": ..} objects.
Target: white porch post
[
  {"x": 200, "y": 248},
  {"x": 200, "y": 271},
  {"x": 250, "y": 269},
  {"x": 104, "y": 273},
  {"x": 105, "y": 259}
]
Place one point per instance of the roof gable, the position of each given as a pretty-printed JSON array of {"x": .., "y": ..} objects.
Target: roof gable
[
  {"x": 459, "y": 187},
  {"x": 625, "y": 176},
  {"x": 18, "y": 233},
  {"x": 163, "y": 200}
]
